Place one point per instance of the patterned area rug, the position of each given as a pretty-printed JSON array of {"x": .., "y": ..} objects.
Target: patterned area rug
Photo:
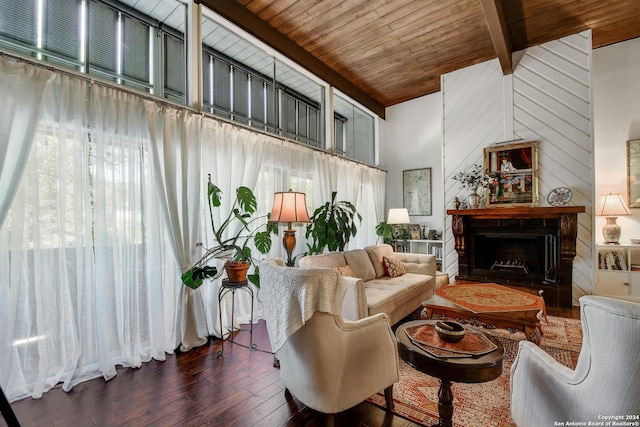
[
  {"x": 490, "y": 297},
  {"x": 484, "y": 404}
]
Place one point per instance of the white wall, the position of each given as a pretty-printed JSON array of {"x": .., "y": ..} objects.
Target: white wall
[
  {"x": 616, "y": 107},
  {"x": 413, "y": 140}
]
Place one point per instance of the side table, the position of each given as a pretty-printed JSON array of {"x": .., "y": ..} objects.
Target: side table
[
  {"x": 232, "y": 287},
  {"x": 474, "y": 369}
]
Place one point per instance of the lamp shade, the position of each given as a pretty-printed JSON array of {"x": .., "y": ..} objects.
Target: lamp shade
[
  {"x": 612, "y": 205},
  {"x": 289, "y": 206},
  {"x": 398, "y": 216}
]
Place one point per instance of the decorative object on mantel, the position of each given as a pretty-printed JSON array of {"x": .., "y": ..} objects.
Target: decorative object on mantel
[
  {"x": 513, "y": 172},
  {"x": 456, "y": 203},
  {"x": 560, "y": 196},
  {"x": 473, "y": 179},
  {"x": 611, "y": 206}
]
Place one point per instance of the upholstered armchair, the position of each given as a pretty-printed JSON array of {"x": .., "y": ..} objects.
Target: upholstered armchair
[
  {"x": 328, "y": 363},
  {"x": 605, "y": 382}
]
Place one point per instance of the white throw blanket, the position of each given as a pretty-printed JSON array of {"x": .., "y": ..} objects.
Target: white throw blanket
[{"x": 291, "y": 295}]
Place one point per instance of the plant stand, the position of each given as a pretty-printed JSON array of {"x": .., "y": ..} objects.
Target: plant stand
[{"x": 232, "y": 287}]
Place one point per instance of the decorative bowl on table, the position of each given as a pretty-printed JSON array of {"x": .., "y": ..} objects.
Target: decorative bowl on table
[
  {"x": 635, "y": 241},
  {"x": 450, "y": 331}
]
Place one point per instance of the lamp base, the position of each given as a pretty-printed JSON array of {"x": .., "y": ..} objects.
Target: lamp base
[
  {"x": 611, "y": 231},
  {"x": 289, "y": 242}
]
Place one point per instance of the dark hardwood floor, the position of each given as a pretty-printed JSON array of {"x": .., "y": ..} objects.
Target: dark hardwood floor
[{"x": 242, "y": 388}]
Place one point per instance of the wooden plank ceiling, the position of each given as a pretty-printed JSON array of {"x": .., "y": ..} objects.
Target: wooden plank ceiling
[{"x": 391, "y": 51}]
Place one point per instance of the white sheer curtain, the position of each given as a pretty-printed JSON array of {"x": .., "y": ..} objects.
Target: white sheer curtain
[
  {"x": 106, "y": 215},
  {"x": 176, "y": 148},
  {"x": 22, "y": 88},
  {"x": 232, "y": 156},
  {"x": 86, "y": 280}
]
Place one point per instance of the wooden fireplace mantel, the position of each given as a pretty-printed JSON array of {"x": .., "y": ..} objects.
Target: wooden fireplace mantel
[
  {"x": 518, "y": 212},
  {"x": 562, "y": 219}
]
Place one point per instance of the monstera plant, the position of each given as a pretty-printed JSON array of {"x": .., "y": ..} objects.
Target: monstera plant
[
  {"x": 232, "y": 247},
  {"x": 332, "y": 226}
]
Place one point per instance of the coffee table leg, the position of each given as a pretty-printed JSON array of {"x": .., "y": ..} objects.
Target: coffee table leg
[
  {"x": 533, "y": 334},
  {"x": 445, "y": 404}
]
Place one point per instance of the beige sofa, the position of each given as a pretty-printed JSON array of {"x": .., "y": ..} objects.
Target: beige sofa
[{"x": 371, "y": 291}]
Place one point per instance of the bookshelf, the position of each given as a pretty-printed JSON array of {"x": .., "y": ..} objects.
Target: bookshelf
[
  {"x": 618, "y": 271},
  {"x": 424, "y": 246}
]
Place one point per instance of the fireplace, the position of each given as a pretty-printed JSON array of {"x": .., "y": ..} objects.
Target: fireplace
[{"x": 526, "y": 247}]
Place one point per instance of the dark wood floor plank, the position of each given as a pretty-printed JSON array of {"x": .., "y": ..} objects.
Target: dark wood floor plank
[{"x": 196, "y": 388}]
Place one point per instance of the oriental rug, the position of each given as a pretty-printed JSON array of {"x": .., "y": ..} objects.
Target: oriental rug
[{"x": 484, "y": 404}]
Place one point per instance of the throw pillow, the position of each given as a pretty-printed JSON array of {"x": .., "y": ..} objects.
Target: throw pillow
[
  {"x": 393, "y": 267},
  {"x": 345, "y": 271}
]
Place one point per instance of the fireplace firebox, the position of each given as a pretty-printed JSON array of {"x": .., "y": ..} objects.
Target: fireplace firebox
[{"x": 526, "y": 247}]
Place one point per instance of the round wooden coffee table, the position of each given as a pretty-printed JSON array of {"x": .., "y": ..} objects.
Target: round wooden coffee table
[{"x": 474, "y": 369}]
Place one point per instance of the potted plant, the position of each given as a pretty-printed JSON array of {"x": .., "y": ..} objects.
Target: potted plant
[
  {"x": 332, "y": 226},
  {"x": 385, "y": 231},
  {"x": 232, "y": 247},
  {"x": 391, "y": 233}
]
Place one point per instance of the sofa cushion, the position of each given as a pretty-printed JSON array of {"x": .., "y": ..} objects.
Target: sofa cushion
[
  {"x": 360, "y": 263},
  {"x": 376, "y": 252},
  {"x": 386, "y": 295},
  {"x": 345, "y": 271},
  {"x": 328, "y": 260},
  {"x": 393, "y": 267}
]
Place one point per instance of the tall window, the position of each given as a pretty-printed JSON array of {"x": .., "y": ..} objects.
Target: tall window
[
  {"x": 244, "y": 84},
  {"x": 107, "y": 39},
  {"x": 147, "y": 51},
  {"x": 354, "y": 131}
]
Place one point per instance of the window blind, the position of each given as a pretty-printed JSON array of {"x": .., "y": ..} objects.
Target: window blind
[
  {"x": 102, "y": 36},
  {"x": 61, "y": 33},
  {"x": 175, "y": 65},
  {"x": 135, "y": 49},
  {"x": 18, "y": 21}
]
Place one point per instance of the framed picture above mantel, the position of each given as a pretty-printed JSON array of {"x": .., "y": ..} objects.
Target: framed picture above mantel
[{"x": 513, "y": 174}]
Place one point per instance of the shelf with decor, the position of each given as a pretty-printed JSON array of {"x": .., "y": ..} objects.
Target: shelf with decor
[
  {"x": 618, "y": 271},
  {"x": 426, "y": 246}
]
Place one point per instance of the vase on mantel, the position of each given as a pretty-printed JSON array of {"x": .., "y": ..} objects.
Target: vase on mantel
[{"x": 474, "y": 200}]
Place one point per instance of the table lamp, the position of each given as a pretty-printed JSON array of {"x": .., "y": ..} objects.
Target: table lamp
[
  {"x": 611, "y": 206},
  {"x": 289, "y": 207},
  {"x": 397, "y": 216}
]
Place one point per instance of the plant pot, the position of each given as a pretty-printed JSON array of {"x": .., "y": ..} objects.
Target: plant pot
[{"x": 236, "y": 271}]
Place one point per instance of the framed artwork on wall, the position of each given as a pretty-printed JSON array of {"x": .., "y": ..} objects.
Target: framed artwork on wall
[
  {"x": 416, "y": 187},
  {"x": 513, "y": 174},
  {"x": 633, "y": 172}
]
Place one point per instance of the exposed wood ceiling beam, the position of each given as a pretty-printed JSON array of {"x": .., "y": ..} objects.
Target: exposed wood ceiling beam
[
  {"x": 249, "y": 22},
  {"x": 498, "y": 29}
]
